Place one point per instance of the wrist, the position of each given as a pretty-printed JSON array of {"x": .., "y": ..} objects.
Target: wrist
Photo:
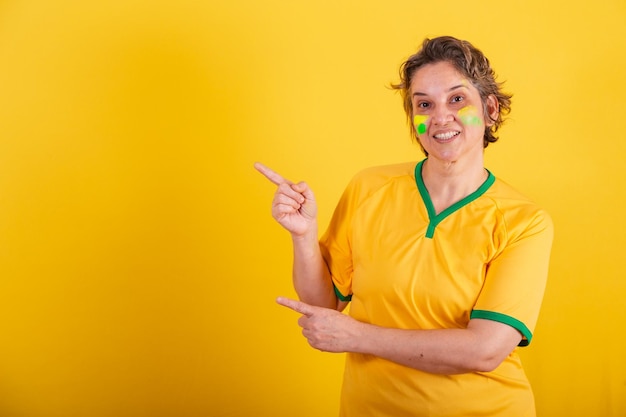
[{"x": 307, "y": 236}]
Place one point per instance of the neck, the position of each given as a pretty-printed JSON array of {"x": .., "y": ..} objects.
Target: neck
[{"x": 449, "y": 182}]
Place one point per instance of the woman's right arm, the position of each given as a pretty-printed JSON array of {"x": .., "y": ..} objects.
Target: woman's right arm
[{"x": 294, "y": 208}]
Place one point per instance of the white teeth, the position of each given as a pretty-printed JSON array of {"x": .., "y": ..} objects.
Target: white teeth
[{"x": 447, "y": 135}]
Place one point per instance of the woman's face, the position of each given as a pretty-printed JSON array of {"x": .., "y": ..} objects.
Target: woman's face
[{"x": 448, "y": 113}]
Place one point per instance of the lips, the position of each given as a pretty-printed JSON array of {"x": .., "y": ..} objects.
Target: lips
[{"x": 447, "y": 135}]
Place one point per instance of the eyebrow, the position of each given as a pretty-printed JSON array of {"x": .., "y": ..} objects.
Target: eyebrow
[{"x": 417, "y": 93}]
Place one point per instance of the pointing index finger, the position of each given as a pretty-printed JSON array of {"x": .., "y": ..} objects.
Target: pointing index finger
[
  {"x": 297, "y": 306},
  {"x": 270, "y": 174}
]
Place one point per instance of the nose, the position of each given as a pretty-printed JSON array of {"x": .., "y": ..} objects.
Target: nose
[{"x": 442, "y": 115}]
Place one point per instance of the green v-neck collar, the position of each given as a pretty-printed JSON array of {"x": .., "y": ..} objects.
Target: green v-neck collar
[{"x": 433, "y": 218}]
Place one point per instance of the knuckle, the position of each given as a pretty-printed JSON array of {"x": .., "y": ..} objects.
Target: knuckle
[{"x": 283, "y": 188}]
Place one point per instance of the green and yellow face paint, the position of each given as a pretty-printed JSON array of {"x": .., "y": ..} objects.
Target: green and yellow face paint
[
  {"x": 419, "y": 121},
  {"x": 469, "y": 116}
]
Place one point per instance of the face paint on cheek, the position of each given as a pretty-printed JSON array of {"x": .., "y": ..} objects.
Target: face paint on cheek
[
  {"x": 469, "y": 116},
  {"x": 419, "y": 121}
]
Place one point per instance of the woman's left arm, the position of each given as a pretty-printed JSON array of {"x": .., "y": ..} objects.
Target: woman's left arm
[{"x": 480, "y": 347}]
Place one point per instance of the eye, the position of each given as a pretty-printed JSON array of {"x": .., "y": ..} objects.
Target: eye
[
  {"x": 423, "y": 105},
  {"x": 457, "y": 99}
]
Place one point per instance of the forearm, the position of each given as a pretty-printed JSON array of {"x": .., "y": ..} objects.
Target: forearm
[
  {"x": 441, "y": 351},
  {"x": 434, "y": 351},
  {"x": 311, "y": 277}
]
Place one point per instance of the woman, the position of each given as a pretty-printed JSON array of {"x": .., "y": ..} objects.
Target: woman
[{"x": 444, "y": 265}]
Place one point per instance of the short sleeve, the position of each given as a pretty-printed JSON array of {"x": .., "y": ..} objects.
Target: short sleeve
[
  {"x": 335, "y": 244},
  {"x": 516, "y": 278}
]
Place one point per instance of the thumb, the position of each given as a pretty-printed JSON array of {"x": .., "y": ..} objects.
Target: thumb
[{"x": 304, "y": 189}]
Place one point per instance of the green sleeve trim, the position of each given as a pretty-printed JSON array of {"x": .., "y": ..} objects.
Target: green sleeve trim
[
  {"x": 503, "y": 318},
  {"x": 341, "y": 296}
]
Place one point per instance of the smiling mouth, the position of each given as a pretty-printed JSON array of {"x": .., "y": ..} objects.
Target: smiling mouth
[{"x": 447, "y": 135}]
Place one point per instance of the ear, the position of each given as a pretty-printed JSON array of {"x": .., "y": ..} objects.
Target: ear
[{"x": 492, "y": 110}]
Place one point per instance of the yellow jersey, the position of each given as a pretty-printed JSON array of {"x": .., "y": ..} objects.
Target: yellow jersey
[{"x": 404, "y": 266}]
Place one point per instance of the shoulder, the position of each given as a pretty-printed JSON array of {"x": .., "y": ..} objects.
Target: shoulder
[
  {"x": 520, "y": 213},
  {"x": 382, "y": 174},
  {"x": 379, "y": 180}
]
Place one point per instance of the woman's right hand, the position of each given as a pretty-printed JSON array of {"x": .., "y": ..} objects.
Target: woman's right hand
[{"x": 294, "y": 205}]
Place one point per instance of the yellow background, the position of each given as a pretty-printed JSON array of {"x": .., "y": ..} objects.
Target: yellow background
[{"x": 138, "y": 259}]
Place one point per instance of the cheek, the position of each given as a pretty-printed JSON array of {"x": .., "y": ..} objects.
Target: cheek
[
  {"x": 470, "y": 116},
  {"x": 419, "y": 121}
]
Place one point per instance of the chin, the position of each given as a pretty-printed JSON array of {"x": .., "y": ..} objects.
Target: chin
[{"x": 449, "y": 157}]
